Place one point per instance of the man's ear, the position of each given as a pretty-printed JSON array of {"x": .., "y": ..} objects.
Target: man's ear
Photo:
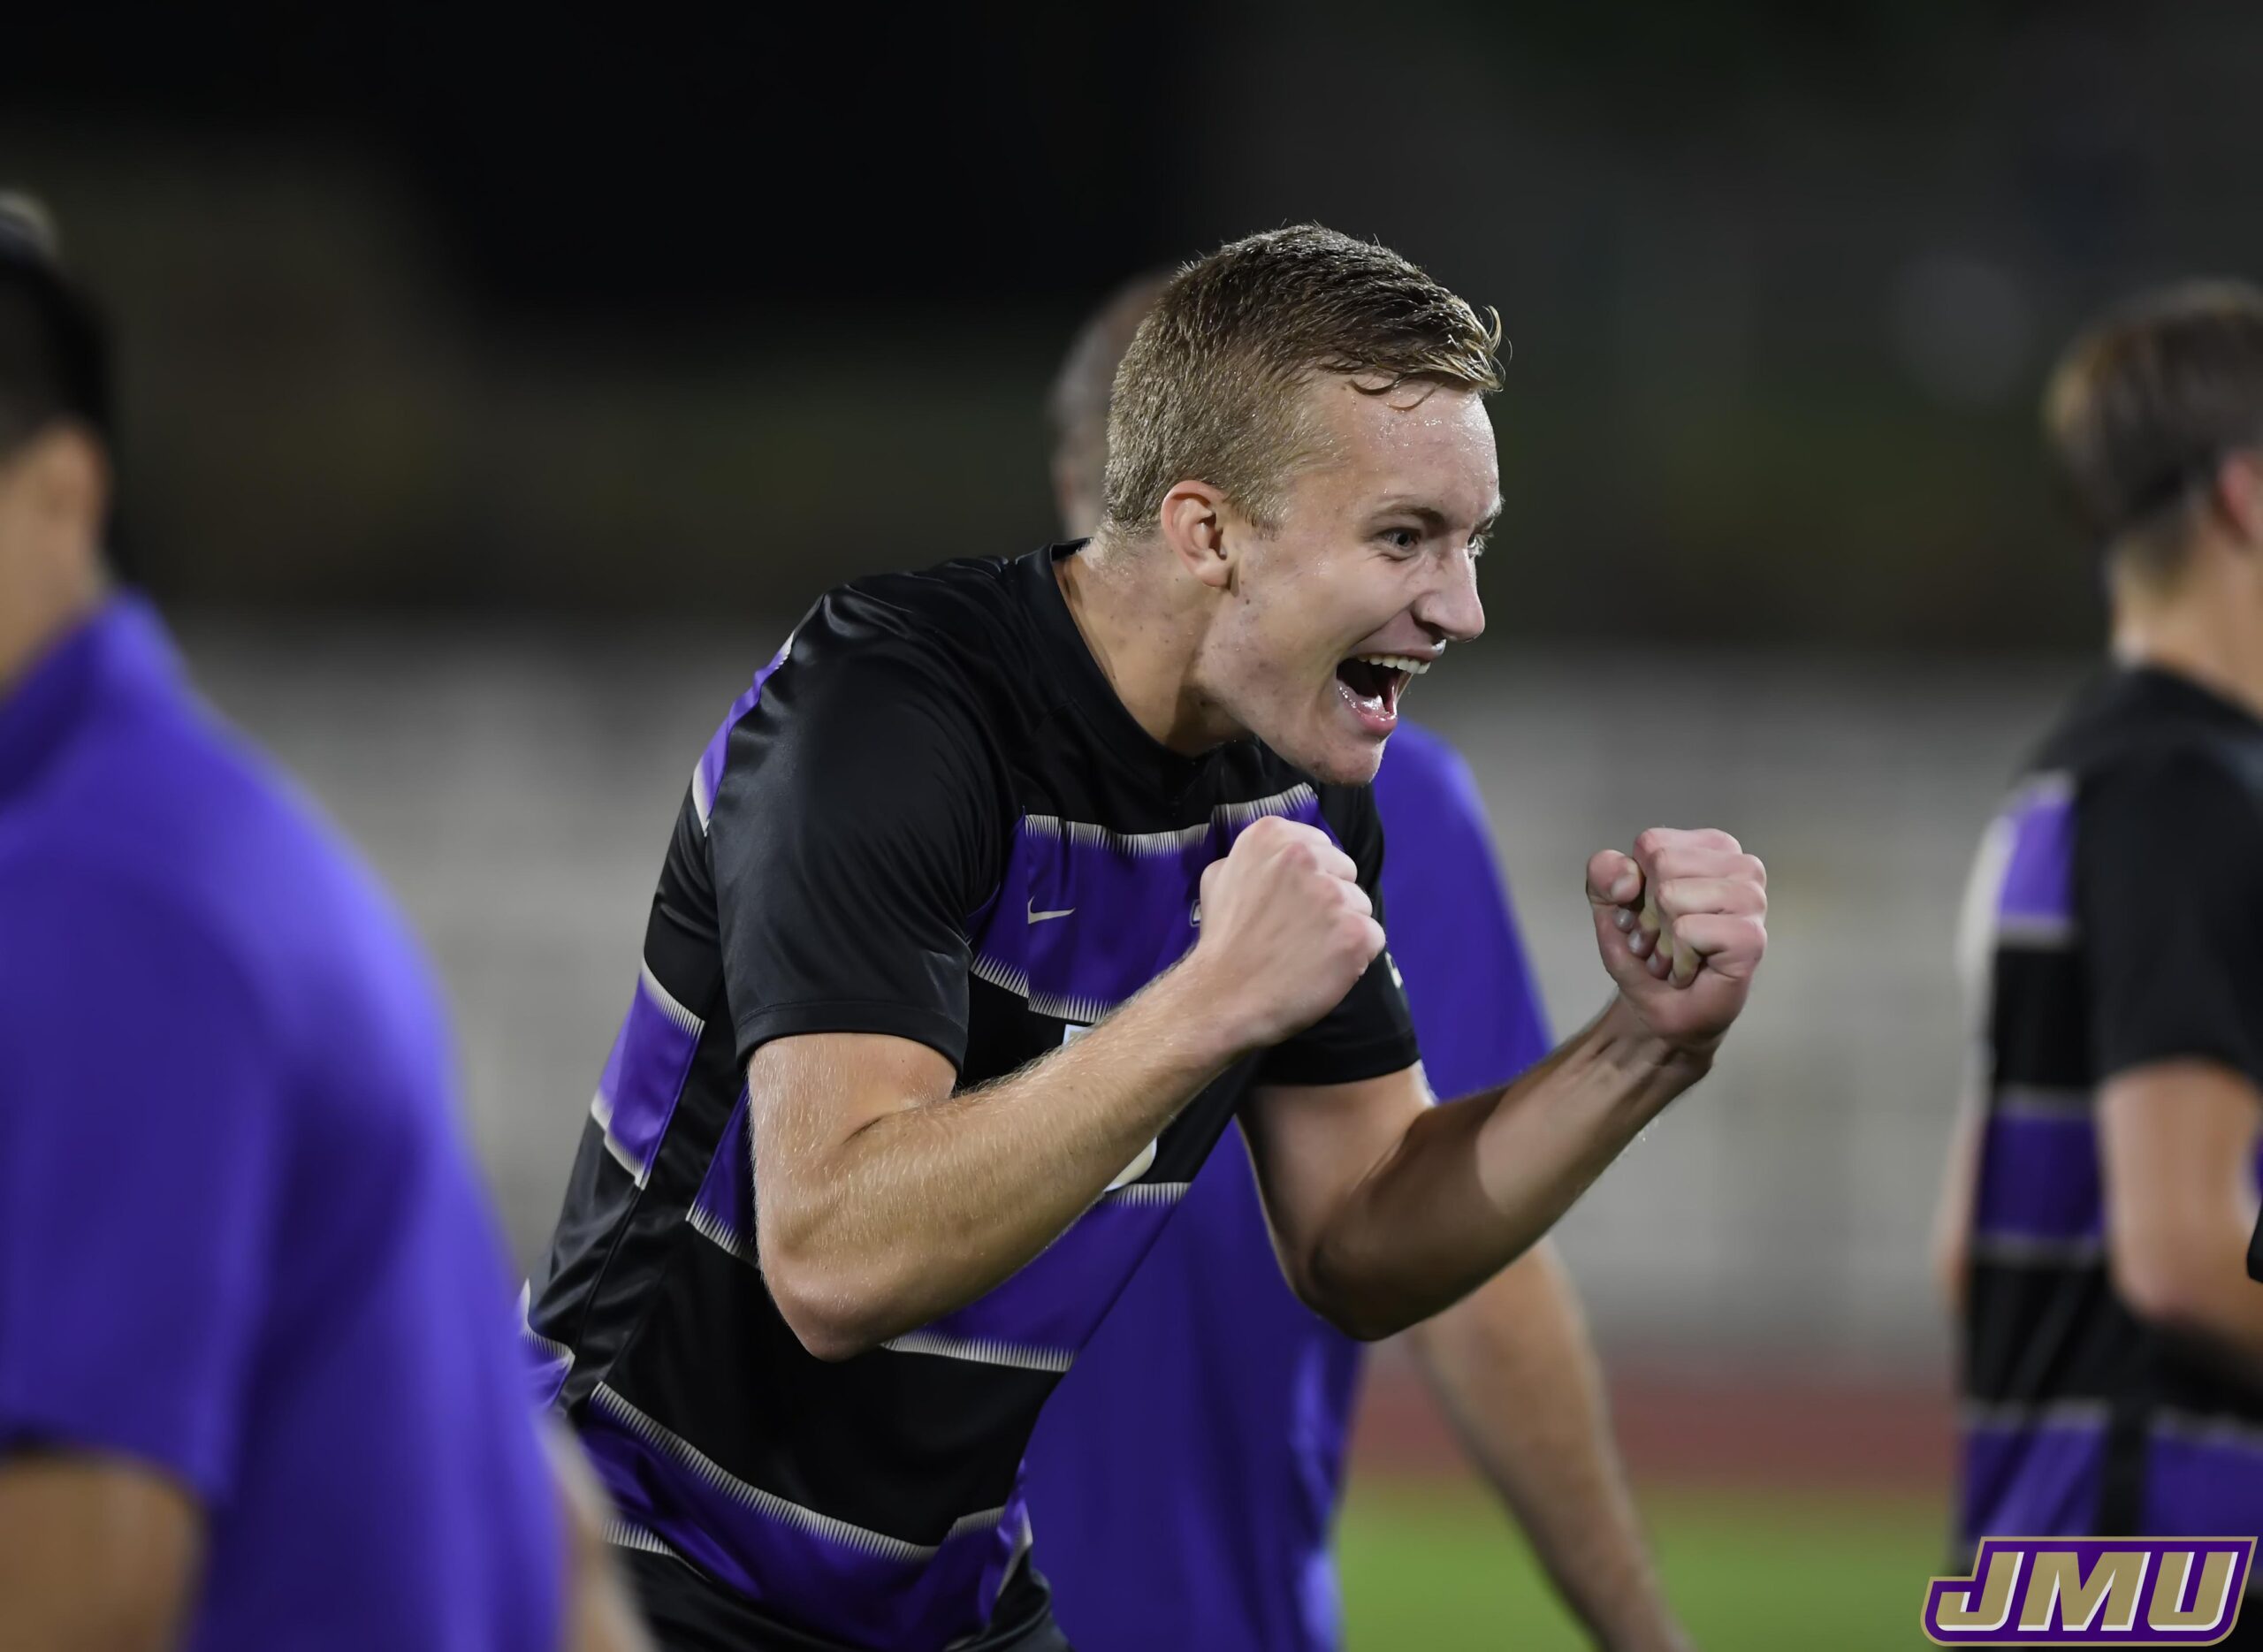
[
  {"x": 1194, "y": 522},
  {"x": 2236, "y": 495},
  {"x": 68, "y": 476}
]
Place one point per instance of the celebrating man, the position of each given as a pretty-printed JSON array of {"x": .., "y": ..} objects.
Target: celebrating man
[{"x": 1002, "y": 890}]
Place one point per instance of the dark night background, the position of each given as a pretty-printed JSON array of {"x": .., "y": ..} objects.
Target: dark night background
[{"x": 657, "y": 311}]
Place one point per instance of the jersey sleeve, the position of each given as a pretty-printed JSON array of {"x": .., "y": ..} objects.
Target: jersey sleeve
[
  {"x": 141, "y": 1148},
  {"x": 1453, "y": 930},
  {"x": 1371, "y": 1032},
  {"x": 855, "y": 830},
  {"x": 2169, "y": 867}
]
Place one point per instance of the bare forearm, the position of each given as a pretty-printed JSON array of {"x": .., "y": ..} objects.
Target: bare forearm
[
  {"x": 1473, "y": 1184},
  {"x": 2203, "y": 1293},
  {"x": 929, "y": 1205},
  {"x": 1517, "y": 1376},
  {"x": 96, "y": 1553},
  {"x": 1953, "y": 1218}
]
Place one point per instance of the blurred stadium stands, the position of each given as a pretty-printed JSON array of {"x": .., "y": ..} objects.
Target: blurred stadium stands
[{"x": 516, "y": 787}]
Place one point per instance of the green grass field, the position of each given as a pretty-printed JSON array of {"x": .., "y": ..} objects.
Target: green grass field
[{"x": 1434, "y": 1567}]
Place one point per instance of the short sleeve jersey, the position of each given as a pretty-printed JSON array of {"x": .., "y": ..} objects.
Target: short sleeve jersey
[
  {"x": 2116, "y": 898},
  {"x": 242, "y": 1243},
  {"x": 930, "y": 817}
]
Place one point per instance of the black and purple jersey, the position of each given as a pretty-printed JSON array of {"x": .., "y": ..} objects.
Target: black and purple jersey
[
  {"x": 930, "y": 817},
  {"x": 2102, "y": 948}
]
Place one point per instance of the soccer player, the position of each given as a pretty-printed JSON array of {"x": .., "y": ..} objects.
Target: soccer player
[
  {"x": 258, "y": 1385},
  {"x": 1212, "y": 1405},
  {"x": 1006, "y": 885},
  {"x": 2103, "y": 1183}
]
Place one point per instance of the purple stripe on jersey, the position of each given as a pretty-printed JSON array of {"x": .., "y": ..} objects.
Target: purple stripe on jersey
[
  {"x": 1083, "y": 918},
  {"x": 2203, "y": 1485},
  {"x": 1054, "y": 1304},
  {"x": 2032, "y": 1479},
  {"x": 546, "y": 1371},
  {"x": 2040, "y": 876},
  {"x": 2039, "y": 1179},
  {"x": 861, "y": 1586},
  {"x": 708, "y": 773},
  {"x": 724, "y": 1207},
  {"x": 652, "y": 1057}
]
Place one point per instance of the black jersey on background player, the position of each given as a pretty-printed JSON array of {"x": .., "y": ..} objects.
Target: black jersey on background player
[
  {"x": 2124, "y": 889},
  {"x": 930, "y": 817}
]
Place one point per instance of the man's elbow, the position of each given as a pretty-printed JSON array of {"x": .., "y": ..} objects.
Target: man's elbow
[
  {"x": 2169, "y": 1279},
  {"x": 832, "y": 1311},
  {"x": 1341, "y": 1298},
  {"x": 1950, "y": 1268}
]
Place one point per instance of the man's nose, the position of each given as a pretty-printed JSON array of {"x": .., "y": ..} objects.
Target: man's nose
[{"x": 1452, "y": 607}]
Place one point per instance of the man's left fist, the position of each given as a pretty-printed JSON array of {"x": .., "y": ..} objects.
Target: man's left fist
[{"x": 1681, "y": 924}]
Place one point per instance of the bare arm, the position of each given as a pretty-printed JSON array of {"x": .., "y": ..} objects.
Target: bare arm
[
  {"x": 1953, "y": 1217},
  {"x": 883, "y": 1200},
  {"x": 599, "y": 1616},
  {"x": 1513, "y": 1369},
  {"x": 1385, "y": 1210},
  {"x": 2176, "y": 1138},
  {"x": 97, "y": 1554}
]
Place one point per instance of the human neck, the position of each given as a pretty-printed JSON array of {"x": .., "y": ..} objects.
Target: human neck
[
  {"x": 2199, "y": 630},
  {"x": 42, "y": 600},
  {"x": 1145, "y": 635}
]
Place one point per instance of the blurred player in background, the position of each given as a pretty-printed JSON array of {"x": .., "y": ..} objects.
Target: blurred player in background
[
  {"x": 257, "y": 1382},
  {"x": 1185, "y": 1475},
  {"x": 999, "y": 892},
  {"x": 2103, "y": 1183}
]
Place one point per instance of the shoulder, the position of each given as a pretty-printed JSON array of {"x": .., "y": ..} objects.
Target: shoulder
[
  {"x": 2205, "y": 794},
  {"x": 163, "y": 819},
  {"x": 947, "y": 644},
  {"x": 94, "y": 935},
  {"x": 965, "y": 615}
]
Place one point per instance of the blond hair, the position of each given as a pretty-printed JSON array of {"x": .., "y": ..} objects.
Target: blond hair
[{"x": 1211, "y": 388}]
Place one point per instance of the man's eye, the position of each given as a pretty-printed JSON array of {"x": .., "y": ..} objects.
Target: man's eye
[
  {"x": 1477, "y": 547},
  {"x": 1402, "y": 538}
]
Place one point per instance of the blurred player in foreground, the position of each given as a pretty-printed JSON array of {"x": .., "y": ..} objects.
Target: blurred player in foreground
[
  {"x": 257, "y": 1382},
  {"x": 2103, "y": 1186},
  {"x": 1212, "y": 1406},
  {"x": 1006, "y": 886}
]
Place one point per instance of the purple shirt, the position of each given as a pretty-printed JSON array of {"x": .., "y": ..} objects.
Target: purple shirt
[
  {"x": 241, "y": 1240},
  {"x": 1183, "y": 1478}
]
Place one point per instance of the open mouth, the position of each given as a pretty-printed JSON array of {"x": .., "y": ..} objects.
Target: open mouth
[{"x": 1372, "y": 683}]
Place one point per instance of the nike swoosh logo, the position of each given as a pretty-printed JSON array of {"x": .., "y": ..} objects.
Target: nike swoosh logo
[{"x": 1036, "y": 916}]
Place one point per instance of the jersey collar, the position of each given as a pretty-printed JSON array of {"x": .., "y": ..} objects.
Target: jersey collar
[
  {"x": 1086, "y": 686},
  {"x": 48, "y": 704}
]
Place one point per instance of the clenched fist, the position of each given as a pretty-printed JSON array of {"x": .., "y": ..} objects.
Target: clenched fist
[
  {"x": 1286, "y": 930},
  {"x": 1681, "y": 924}
]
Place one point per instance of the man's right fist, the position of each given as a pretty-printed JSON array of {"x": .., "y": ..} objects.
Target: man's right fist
[{"x": 1286, "y": 930}]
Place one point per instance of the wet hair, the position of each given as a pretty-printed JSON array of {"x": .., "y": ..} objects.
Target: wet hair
[{"x": 1211, "y": 387}]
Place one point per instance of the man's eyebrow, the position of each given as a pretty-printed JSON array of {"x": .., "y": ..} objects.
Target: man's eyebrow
[{"x": 1431, "y": 517}]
